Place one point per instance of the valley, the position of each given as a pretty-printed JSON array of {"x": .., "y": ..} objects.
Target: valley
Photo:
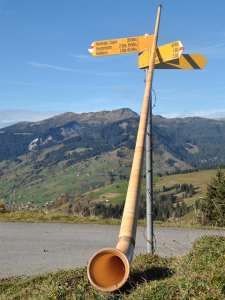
[{"x": 73, "y": 161}]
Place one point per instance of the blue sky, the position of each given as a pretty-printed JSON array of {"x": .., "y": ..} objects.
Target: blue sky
[{"x": 46, "y": 69}]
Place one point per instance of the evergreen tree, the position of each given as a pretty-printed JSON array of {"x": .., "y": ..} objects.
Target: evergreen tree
[{"x": 213, "y": 205}]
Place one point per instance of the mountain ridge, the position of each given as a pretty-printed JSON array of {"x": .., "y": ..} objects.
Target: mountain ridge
[
  {"x": 194, "y": 140},
  {"x": 89, "y": 118}
]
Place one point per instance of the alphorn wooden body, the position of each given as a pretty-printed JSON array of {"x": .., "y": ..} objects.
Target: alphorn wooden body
[{"x": 109, "y": 268}]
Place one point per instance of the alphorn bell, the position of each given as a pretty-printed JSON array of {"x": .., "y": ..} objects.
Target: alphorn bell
[{"x": 109, "y": 268}]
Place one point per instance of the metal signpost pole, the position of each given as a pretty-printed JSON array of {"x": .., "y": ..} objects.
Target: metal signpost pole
[
  {"x": 109, "y": 268},
  {"x": 149, "y": 176}
]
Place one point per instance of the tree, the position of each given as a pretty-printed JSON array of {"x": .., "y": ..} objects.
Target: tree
[
  {"x": 213, "y": 205},
  {"x": 2, "y": 207}
]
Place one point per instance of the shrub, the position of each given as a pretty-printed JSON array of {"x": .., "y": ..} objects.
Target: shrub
[{"x": 2, "y": 207}]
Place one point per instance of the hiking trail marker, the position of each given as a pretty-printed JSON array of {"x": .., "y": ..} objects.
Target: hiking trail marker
[
  {"x": 163, "y": 54},
  {"x": 184, "y": 62},
  {"x": 165, "y": 57},
  {"x": 121, "y": 46}
]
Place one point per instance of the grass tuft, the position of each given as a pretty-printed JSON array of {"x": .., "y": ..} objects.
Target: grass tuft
[{"x": 199, "y": 274}]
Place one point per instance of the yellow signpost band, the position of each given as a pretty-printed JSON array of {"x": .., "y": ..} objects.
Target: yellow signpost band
[
  {"x": 164, "y": 53},
  {"x": 121, "y": 46}
]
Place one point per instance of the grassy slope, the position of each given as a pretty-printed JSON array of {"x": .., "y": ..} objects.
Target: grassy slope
[
  {"x": 199, "y": 274},
  {"x": 56, "y": 180},
  {"x": 122, "y": 190},
  {"x": 198, "y": 179}
]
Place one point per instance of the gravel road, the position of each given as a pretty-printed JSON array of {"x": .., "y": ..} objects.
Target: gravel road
[{"x": 28, "y": 249}]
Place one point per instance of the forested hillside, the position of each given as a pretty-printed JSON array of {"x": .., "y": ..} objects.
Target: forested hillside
[
  {"x": 198, "y": 141},
  {"x": 41, "y": 162},
  {"x": 195, "y": 141}
]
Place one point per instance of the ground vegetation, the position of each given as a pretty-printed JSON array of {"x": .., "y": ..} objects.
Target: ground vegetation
[{"x": 199, "y": 274}]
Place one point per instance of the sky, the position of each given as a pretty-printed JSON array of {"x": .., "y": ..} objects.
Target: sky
[{"x": 46, "y": 69}]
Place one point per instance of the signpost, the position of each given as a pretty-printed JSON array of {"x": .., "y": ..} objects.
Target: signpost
[
  {"x": 165, "y": 57},
  {"x": 184, "y": 61},
  {"x": 121, "y": 46},
  {"x": 163, "y": 54}
]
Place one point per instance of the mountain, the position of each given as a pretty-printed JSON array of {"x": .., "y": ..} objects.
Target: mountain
[
  {"x": 195, "y": 141},
  {"x": 39, "y": 162},
  {"x": 72, "y": 120},
  {"x": 20, "y": 138}
]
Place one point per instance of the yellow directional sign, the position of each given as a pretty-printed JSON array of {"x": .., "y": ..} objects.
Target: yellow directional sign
[
  {"x": 186, "y": 62},
  {"x": 121, "y": 46},
  {"x": 164, "y": 53}
]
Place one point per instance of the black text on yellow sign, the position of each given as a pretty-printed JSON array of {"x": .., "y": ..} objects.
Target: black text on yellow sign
[
  {"x": 121, "y": 46},
  {"x": 163, "y": 53}
]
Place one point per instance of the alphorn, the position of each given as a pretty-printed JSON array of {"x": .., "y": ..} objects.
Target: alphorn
[{"x": 109, "y": 268}]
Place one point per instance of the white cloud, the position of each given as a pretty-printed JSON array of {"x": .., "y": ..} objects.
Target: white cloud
[
  {"x": 82, "y": 56},
  {"x": 209, "y": 114},
  {"x": 38, "y": 65},
  {"x": 13, "y": 116},
  {"x": 217, "y": 51},
  {"x": 87, "y": 58}
]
